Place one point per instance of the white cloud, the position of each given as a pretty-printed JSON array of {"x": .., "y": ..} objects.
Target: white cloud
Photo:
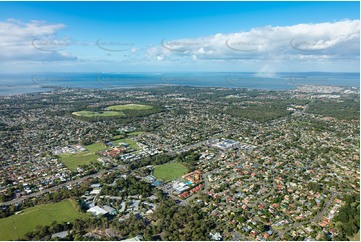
[
  {"x": 330, "y": 41},
  {"x": 332, "y": 46},
  {"x": 32, "y": 41}
]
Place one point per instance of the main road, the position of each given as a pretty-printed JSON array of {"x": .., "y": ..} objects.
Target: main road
[
  {"x": 98, "y": 174},
  {"x": 54, "y": 188}
]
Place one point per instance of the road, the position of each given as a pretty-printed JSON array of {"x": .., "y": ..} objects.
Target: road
[
  {"x": 272, "y": 191},
  {"x": 53, "y": 189},
  {"x": 206, "y": 187},
  {"x": 296, "y": 225},
  {"x": 314, "y": 219},
  {"x": 200, "y": 143}
]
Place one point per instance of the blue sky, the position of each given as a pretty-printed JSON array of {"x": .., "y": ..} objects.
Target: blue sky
[{"x": 179, "y": 36}]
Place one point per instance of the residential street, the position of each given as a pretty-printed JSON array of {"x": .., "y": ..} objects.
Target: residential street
[{"x": 314, "y": 219}]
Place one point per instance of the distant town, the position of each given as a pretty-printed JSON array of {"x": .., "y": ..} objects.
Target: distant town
[{"x": 180, "y": 163}]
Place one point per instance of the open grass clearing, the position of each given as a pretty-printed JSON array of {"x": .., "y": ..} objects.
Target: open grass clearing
[
  {"x": 72, "y": 161},
  {"x": 132, "y": 144},
  {"x": 16, "y": 226},
  {"x": 91, "y": 114},
  {"x": 169, "y": 171},
  {"x": 129, "y": 107},
  {"x": 135, "y": 133}
]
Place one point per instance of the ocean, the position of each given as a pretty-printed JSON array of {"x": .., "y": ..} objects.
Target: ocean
[{"x": 11, "y": 84}]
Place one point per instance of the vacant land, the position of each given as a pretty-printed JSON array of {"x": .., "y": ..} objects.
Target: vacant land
[
  {"x": 355, "y": 237},
  {"x": 135, "y": 133},
  {"x": 72, "y": 161},
  {"x": 129, "y": 107},
  {"x": 16, "y": 226},
  {"x": 170, "y": 171},
  {"x": 91, "y": 114},
  {"x": 120, "y": 136},
  {"x": 132, "y": 144}
]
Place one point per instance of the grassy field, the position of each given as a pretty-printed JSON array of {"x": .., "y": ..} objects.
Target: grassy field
[
  {"x": 72, "y": 161},
  {"x": 96, "y": 147},
  {"x": 129, "y": 107},
  {"x": 170, "y": 171},
  {"x": 278, "y": 228},
  {"x": 120, "y": 136},
  {"x": 16, "y": 226},
  {"x": 91, "y": 114},
  {"x": 135, "y": 133},
  {"x": 132, "y": 144},
  {"x": 112, "y": 111}
]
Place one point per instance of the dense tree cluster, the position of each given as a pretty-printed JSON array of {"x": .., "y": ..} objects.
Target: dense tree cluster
[
  {"x": 128, "y": 187},
  {"x": 348, "y": 109},
  {"x": 317, "y": 187},
  {"x": 176, "y": 222},
  {"x": 152, "y": 160},
  {"x": 170, "y": 222},
  {"x": 348, "y": 217},
  {"x": 189, "y": 159},
  {"x": 45, "y": 232},
  {"x": 260, "y": 112}
]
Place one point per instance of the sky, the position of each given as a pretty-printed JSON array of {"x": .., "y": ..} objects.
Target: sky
[{"x": 179, "y": 36}]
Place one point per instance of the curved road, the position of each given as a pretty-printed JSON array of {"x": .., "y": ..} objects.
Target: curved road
[
  {"x": 206, "y": 187},
  {"x": 316, "y": 218}
]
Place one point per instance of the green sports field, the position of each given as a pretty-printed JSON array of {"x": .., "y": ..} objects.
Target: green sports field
[
  {"x": 91, "y": 114},
  {"x": 72, "y": 161},
  {"x": 16, "y": 226},
  {"x": 135, "y": 133},
  {"x": 170, "y": 171},
  {"x": 129, "y": 107},
  {"x": 132, "y": 144},
  {"x": 112, "y": 111}
]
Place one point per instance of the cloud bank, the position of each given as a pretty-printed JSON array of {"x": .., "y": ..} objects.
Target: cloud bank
[
  {"x": 328, "y": 46},
  {"x": 32, "y": 41},
  {"x": 301, "y": 42}
]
